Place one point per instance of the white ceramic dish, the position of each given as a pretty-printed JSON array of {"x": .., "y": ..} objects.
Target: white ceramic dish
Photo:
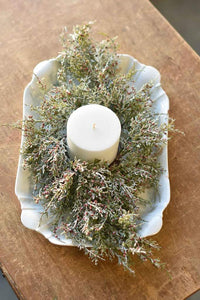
[{"x": 31, "y": 211}]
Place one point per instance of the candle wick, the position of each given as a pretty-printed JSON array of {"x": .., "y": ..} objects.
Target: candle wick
[{"x": 94, "y": 125}]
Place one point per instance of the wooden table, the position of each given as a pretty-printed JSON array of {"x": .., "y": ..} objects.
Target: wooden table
[{"x": 37, "y": 269}]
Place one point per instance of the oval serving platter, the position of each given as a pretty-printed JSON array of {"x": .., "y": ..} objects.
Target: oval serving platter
[{"x": 153, "y": 214}]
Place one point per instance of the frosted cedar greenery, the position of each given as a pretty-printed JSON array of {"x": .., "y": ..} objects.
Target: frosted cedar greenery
[{"x": 93, "y": 203}]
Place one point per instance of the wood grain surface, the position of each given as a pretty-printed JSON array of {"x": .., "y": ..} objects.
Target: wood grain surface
[{"x": 29, "y": 33}]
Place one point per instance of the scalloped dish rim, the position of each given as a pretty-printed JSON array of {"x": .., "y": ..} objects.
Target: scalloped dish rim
[{"x": 153, "y": 217}]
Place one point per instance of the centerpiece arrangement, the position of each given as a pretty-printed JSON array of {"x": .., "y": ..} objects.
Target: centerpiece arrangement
[{"x": 95, "y": 201}]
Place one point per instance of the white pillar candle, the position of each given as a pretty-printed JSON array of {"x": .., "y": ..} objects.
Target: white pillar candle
[{"x": 93, "y": 132}]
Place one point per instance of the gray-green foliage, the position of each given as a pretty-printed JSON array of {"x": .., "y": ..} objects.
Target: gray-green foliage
[{"x": 95, "y": 203}]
